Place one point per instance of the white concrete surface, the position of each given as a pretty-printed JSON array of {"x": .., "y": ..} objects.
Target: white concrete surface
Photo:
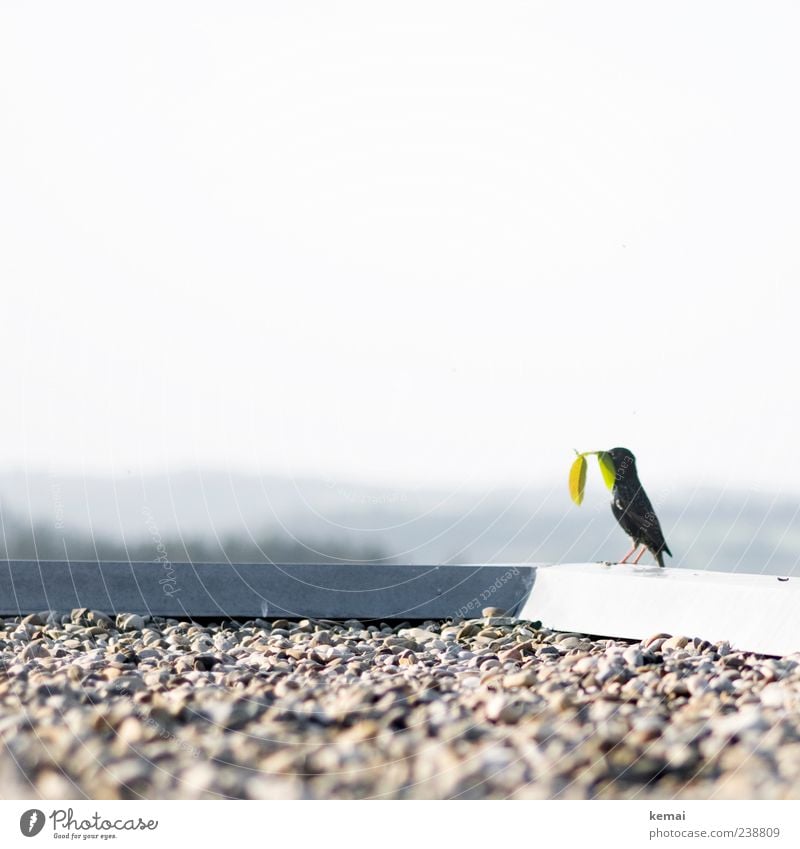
[{"x": 758, "y": 613}]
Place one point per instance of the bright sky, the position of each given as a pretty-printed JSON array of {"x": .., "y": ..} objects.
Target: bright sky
[{"x": 426, "y": 242}]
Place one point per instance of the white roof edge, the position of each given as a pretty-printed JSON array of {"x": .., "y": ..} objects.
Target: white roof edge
[{"x": 758, "y": 613}]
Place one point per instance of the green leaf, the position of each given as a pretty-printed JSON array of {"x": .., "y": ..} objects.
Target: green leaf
[
  {"x": 577, "y": 479},
  {"x": 607, "y": 468}
]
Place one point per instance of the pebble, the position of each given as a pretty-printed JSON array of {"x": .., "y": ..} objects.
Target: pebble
[
  {"x": 525, "y": 678},
  {"x": 660, "y": 638},
  {"x": 489, "y": 707},
  {"x": 130, "y": 622},
  {"x": 774, "y": 696}
]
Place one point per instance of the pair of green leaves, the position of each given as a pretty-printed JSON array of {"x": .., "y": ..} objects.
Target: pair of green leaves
[{"x": 577, "y": 474}]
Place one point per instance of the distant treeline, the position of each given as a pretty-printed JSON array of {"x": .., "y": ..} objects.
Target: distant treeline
[{"x": 43, "y": 542}]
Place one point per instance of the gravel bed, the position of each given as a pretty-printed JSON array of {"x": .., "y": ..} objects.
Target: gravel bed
[{"x": 141, "y": 707}]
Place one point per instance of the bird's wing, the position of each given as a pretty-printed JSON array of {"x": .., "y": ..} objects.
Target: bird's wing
[{"x": 639, "y": 520}]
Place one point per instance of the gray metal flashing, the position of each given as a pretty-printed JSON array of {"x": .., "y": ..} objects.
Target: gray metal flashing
[{"x": 237, "y": 590}]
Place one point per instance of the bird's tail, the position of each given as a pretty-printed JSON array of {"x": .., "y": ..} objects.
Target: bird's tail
[{"x": 660, "y": 555}]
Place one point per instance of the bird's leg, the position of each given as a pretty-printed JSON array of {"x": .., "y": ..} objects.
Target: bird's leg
[
  {"x": 625, "y": 558},
  {"x": 639, "y": 555}
]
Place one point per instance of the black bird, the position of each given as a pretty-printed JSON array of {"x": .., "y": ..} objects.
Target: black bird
[{"x": 633, "y": 510}]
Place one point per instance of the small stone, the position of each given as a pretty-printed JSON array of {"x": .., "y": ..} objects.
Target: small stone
[
  {"x": 97, "y": 617},
  {"x": 34, "y": 619},
  {"x": 524, "y": 678},
  {"x": 130, "y": 622},
  {"x": 500, "y": 709},
  {"x": 514, "y": 653},
  {"x": 633, "y": 657},
  {"x": 648, "y": 643},
  {"x": 52, "y": 785},
  {"x": 774, "y": 696},
  {"x": 738, "y": 723},
  {"x": 547, "y": 651},
  {"x": 697, "y": 685},
  {"x": 675, "y": 643},
  {"x": 585, "y": 664},
  {"x": 468, "y": 630},
  {"x": 419, "y": 635},
  {"x": 648, "y": 727},
  {"x": 130, "y": 731},
  {"x": 34, "y": 649},
  {"x": 127, "y": 684}
]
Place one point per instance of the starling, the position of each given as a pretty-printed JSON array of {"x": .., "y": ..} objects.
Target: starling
[{"x": 633, "y": 510}]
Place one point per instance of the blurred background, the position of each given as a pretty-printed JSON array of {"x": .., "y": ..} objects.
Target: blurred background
[{"x": 322, "y": 281}]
